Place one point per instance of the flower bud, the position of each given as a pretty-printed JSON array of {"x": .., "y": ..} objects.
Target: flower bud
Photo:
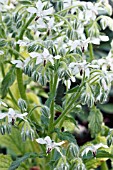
[
  {"x": 2, "y": 130},
  {"x": 35, "y": 76},
  {"x": 22, "y": 104}
]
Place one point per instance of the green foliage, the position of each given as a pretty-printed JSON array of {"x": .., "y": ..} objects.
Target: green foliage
[
  {"x": 8, "y": 81},
  {"x": 95, "y": 121},
  {"x": 5, "y": 161},
  {"x": 17, "y": 163}
]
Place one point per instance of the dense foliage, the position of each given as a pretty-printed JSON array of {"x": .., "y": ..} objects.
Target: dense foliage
[{"x": 53, "y": 71}]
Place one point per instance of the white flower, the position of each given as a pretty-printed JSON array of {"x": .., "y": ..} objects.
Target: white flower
[
  {"x": 50, "y": 144},
  {"x": 21, "y": 64},
  {"x": 12, "y": 115},
  {"x": 68, "y": 82},
  {"x": 93, "y": 149},
  {"x": 42, "y": 57},
  {"x": 83, "y": 44},
  {"x": 79, "y": 68},
  {"x": 22, "y": 43},
  {"x": 38, "y": 10}
]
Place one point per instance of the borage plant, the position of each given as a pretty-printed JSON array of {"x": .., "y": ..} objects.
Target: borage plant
[{"x": 46, "y": 50}]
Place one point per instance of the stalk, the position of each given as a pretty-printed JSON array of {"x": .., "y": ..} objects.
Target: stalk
[
  {"x": 90, "y": 48},
  {"x": 68, "y": 107},
  {"x": 52, "y": 117},
  {"x": 53, "y": 91},
  {"x": 18, "y": 71},
  {"x": 104, "y": 166}
]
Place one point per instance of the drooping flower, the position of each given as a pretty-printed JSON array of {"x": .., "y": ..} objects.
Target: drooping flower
[
  {"x": 50, "y": 144},
  {"x": 93, "y": 149},
  {"x": 42, "y": 57},
  {"x": 79, "y": 68},
  {"x": 12, "y": 115}
]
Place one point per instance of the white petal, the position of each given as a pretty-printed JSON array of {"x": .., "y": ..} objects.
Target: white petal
[
  {"x": 58, "y": 149},
  {"x": 101, "y": 145},
  {"x": 11, "y": 112},
  {"x": 45, "y": 53},
  {"x": 33, "y": 54},
  {"x": 59, "y": 143},
  {"x": 47, "y": 12},
  {"x": 57, "y": 57},
  {"x": 39, "y": 60},
  {"x": 48, "y": 140},
  {"x": 2, "y": 115},
  {"x": 95, "y": 41},
  {"x": 41, "y": 141},
  {"x": 104, "y": 38},
  {"x": 32, "y": 10},
  {"x": 39, "y": 5},
  {"x": 19, "y": 63}
]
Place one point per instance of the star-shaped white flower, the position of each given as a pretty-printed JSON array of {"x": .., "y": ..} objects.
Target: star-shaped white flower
[
  {"x": 83, "y": 44},
  {"x": 42, "y": 57},
  {"x": 21, "y": 64},
  {"x": 38, "y": 10},
  {"x": 79, "y": 68},
  {"x": 12, "y": 115},
  {"x": 50, "y": 144},
  {"x": 93, "y": 149}
]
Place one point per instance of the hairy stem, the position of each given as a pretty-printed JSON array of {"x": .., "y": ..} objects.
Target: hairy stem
[
  {"x": 66, "y": 110},
  {"x": 19, "y": 72},
  {"x": 52, "y": 117},
  {"x": 90, "y": 48}
]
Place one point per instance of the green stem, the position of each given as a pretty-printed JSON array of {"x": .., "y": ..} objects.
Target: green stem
[
  {"x": 61, "y": 122},
  {"x": 53, "y": 91},
  {"x": 13, "y": 99},
  {"x": 104, "y": 166},
  {"x": 15, "y": 52},
  {"x": 90, "y": 48},
  {"x": 19, "y": 72},
  {"x": 52, "y": 117},
  {"x": 25, "y": 26},
  {"x": 68, "y": 106},
  {"x": 91, "y": 52},
  {"x": 33, "y": 110}
]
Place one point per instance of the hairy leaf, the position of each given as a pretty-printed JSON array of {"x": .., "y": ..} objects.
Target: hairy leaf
[
  {"x": 5, "y": 162},
  {"x": 95, "y": 121},
  {"x": 18, "y": 161},
  {"x": 8, "y": 81}
]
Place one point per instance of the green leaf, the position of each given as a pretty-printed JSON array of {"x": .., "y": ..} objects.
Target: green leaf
[
  {"x": 65, "y": 136},
  {"x": 8, "y": 81},
  {"x": 95, "y": 121},
  {"x": 15, "y": 144},
  {"x": 25, "y": 2},
  {"x": 71, "y": 119},
  {"x": 58, "y": 108},
  {"x": 104, "y": 154},
  {"x": 5, "y": 162},
  {"x": 18, "y": 161},
  {"x": 108, "y": 108},
  {"x": 73, "y": 90}
]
